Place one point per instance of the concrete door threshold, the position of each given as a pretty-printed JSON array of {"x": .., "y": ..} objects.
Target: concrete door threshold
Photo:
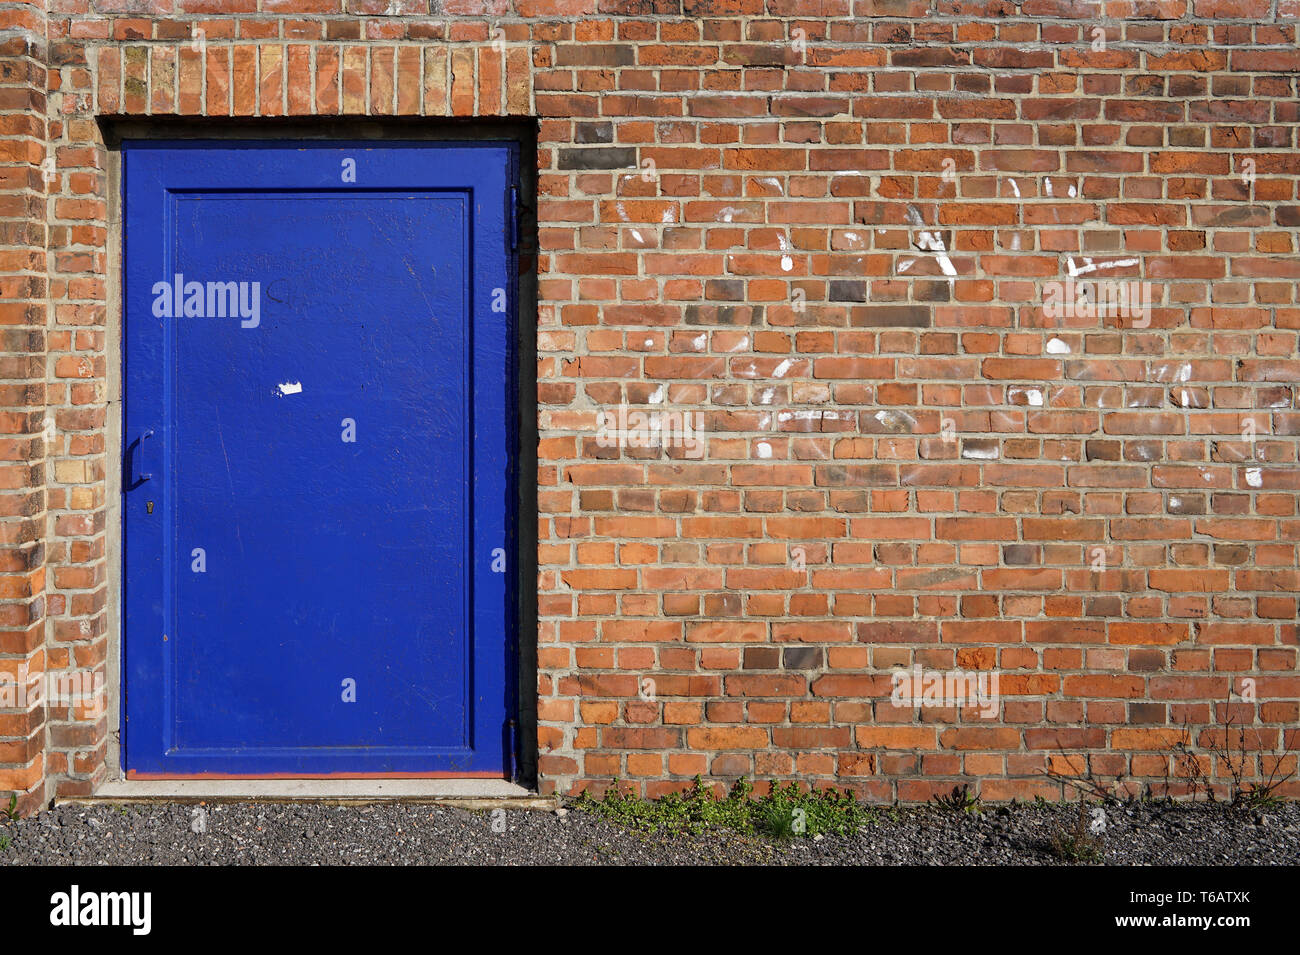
[{"x": 465, "y": 793}]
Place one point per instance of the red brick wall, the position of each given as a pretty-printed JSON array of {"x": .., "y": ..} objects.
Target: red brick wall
[
  {"x": 745, "y": 211},
  {"x": 24, "y": 317}
]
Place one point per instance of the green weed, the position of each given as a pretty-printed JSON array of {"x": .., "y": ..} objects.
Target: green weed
[
  {"x": 959, "y": 800},
  {"x": 786, "y": 812}
]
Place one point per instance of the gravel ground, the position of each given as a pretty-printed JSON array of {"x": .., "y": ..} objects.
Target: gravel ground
[{"x": 402, "y": 834}]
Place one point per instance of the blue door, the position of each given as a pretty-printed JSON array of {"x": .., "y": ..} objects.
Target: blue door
[{"x": 318, "y": 445}]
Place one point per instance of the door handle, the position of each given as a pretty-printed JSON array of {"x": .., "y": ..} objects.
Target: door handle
[{"x": 136, "y": 475}]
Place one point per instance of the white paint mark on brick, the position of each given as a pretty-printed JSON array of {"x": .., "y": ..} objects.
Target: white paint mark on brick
[
  {"x": 930, "y": 241},
  {"x": 1089, "y": 266},
  {"x": 658, "y": 395},
  {"x": 780, "y": 370},
  {"x": 1057, "y": 347},
  {"x": 1014, "y": 187},
  {"x": 764, "y": 449},
  {"x": 1035, "y": 397},
  {"x": 1254, "y": 477}
]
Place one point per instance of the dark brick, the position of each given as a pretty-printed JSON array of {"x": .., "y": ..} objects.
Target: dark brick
[
  {"x": 1020, "y": 555},
  {"x": 615, "y": 157},
  {"x": 593, "y": 132},
  {"x": 801, "y": 658},
  {"x": 1149, "y": 714},
  {"x": 847, "y": 291}
]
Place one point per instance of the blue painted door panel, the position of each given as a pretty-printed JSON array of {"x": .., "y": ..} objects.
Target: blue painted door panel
[{"x": 318, "y": 458}]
